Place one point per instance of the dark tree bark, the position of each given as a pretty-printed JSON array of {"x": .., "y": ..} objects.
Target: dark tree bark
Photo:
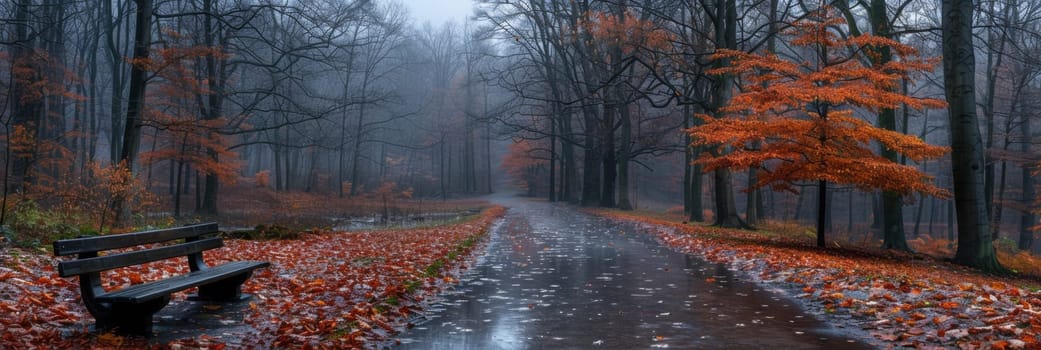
[
  {"x": 138, "y": 84},
  {"x": 116, "y": 63},
  {"x": 726, "y": 30},
  {"x": 754, "y": 201},
  {"x": 822, "y": 205},
  {"x": 591, "y": 162},
  {"x": 215, "y": 103},
  {"x": 553, "y": 160},
  {"x": 1027, "y": 218},
  {"x": 608, "y": 161},
  {"x": 974, "y": 242},
  {"x": 891, "y": 209}
]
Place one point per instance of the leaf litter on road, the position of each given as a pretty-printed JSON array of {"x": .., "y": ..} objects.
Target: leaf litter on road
[{"x": 923, "y": 304}]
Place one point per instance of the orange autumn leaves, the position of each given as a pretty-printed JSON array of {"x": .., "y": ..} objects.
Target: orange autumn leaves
[
  {"x": 625, "y": 31},
  {"x": 174, "y": 109},
  {"x": 352, "y": 290},
  {"x": 523, "y": 162},
  {"x": 325, "y": 290},
  {"x": 796, "y": 119},
  {"x": 926, "y": 304}
]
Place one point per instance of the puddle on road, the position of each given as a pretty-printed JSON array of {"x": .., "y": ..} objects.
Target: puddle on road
[{"x": 552, "y": 277}]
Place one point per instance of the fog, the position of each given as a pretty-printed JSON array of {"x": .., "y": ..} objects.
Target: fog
[{"x": 583, "y": 102}]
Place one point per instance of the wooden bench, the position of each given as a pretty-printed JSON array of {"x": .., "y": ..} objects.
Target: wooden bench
[{"x": 129, "y": 310}]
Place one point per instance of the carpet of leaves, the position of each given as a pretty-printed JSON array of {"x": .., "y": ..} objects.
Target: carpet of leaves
[
  {"x": 325, "y": 290},
  {"x": 900, "y": 300}
]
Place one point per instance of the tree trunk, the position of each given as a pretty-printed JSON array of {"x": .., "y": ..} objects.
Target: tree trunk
[
  {"x": 697, "y": 207},
  {"x": 342, "y": 152},
  {"x": 999, "y": 207},
  {"x": 726, "y": 30},
  {"x": 950, "y": 221},
  {"x": 752, "y": 200},
  {"x": 608, "y": 160},
  {"x": 487, "y": 148},
  {"x": 591, "y": 162},
  {"x": 920, "y": 208},
  {"x": 993, "y": 66},
  {"x": 279, "y": 173},
  {"x": 849, "y": 211},
  {"x": 688, "y": 157},
  {"x": 214, "y": 80},
  {"x": 726, "y": 209},
  {"x": 624, "y": 154},
  {"x": 116, "y": 61},
  {"x": 552, "y": 160},
  {"x": 136, "y": 99},
  {"x": 933, "y": 213},
  {"x": 441, "y": 168},
  {"x": 829, "y": 222},
  {"x": 694, "y": 183},
  {"x": 571, "y": 179},
  {"x": 1027, "y": 218},
  {"x": 93, "y": 99},
  {"x": 999, "y": 204},
  {"x": 138, "y": 84},
  {"x": 974, "y": 244},
  {"x": 893, "y": 222},
  {"x": 798, "y": 205},
  {"x": 822, "y": 205},
  {"x": 356, "y": 156}
]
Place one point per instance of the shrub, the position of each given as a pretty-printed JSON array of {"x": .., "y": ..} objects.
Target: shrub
[
  {"x": 266, "y": 232},
  {"x": 262, "y": 178},
  {"x": 29, "y": 226}
]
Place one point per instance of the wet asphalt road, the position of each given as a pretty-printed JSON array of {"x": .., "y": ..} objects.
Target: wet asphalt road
[{"x": 554, "y": 278}]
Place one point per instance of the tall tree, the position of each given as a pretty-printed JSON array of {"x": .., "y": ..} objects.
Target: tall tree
[
  {"x": 138, "y": 83},
  {"x": 794, "y": 116},
  {"x": 725, "y": 22},
  {"x": 892, "y": 218},
  {"x": 967, "y": 164}
]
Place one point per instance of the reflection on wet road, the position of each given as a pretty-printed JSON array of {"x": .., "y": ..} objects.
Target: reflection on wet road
[{"x": 555, "y": 278}]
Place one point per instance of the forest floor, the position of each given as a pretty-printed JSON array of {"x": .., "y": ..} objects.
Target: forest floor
[
  {"x": 325, "y": 289},
  {"x": 900, "y": 299}
]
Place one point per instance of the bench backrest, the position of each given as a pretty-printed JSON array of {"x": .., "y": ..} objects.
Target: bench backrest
[{"x": 88, "y": 247}]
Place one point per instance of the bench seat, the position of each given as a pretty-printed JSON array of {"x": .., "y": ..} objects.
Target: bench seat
[{"x": 140, "y": 293}]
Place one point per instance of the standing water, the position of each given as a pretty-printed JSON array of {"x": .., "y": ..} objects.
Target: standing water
[{"x": 553, "y": 277}]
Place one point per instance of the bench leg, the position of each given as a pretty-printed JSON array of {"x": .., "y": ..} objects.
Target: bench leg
[
  {"x": 133, "y": 319},
  {"x": 228, "y": 289}
]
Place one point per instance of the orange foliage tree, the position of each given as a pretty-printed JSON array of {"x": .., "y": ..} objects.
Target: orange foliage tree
[
  {"x": 185, "y": 138},
  {"x": 38, "y": 165},
  {"x": 801, "y": 114},
  {"x": 624, "y": 31},
  {"x": 388, "y": 193},
  {"x": 523, "y": 164},
  {"x": 36, "y": 137}
]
